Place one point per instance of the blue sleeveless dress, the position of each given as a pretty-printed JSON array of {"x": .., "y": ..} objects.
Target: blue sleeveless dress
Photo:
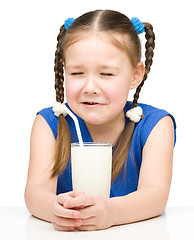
[{"x": 124, "y": 183}]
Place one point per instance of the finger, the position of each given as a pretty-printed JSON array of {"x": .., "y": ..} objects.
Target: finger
[
  {"x": 86, "y": 228},
  {"x": 62, "y": 228},
  {"x": 60, "y": 211},
  {"x": 87, "y": 212},
  {"x": 62, "y": 197},
  {"x": 76, "y": 193},
  {"x": 65, "y": 222},
  {"x": 83, "y": 200}
]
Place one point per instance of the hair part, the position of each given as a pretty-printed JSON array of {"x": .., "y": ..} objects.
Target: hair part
[{"x": 114, "y": 24}]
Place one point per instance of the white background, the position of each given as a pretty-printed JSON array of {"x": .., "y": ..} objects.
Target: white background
[{"x": 28, "y": 31}]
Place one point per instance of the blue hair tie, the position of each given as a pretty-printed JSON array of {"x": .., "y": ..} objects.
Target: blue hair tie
[
  {"x": 138, "y": 25},
  {"x": 68, "y": 22}
]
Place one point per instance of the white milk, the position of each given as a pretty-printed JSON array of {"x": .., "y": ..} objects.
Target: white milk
[{"x": 91, "y": 168}]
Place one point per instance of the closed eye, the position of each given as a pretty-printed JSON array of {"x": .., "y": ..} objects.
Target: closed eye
[
  {"x": 77, "y": 73},
  {"x": 106, "y": 74}
]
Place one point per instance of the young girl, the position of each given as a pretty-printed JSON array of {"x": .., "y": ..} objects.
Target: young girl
[{"x": 101, "y": 54}]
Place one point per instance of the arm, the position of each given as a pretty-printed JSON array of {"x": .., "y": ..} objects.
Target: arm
[
  {"x": 40, "y": 189},
  {"x": 153, "y": 188},
  {"x": 151, "y": 197},
  {"x": 40, "y": 192}
]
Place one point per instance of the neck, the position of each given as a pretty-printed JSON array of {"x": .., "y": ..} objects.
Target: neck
[{"x": 108, "y": 132}]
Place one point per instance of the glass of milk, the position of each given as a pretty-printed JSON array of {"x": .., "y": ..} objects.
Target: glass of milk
[{"x": 91, "y": 168}]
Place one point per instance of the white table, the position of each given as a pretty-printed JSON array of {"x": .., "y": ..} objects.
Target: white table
[{"x": 175, "y": 223}]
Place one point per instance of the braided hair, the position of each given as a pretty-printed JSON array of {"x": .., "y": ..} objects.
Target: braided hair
[
  {"x": 63, "y": 134},
  {"x": 110, "y": 22},
  {"x": 150, "y": 45}
]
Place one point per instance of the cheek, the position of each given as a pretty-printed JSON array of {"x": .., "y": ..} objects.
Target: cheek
[
  {"x": 71, "y": 89},
  {"x": 118, "y": 92}
]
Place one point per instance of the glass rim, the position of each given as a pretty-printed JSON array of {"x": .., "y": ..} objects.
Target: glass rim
[{"x": 89, "y": 144}]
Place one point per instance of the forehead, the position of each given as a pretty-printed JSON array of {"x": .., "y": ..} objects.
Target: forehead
[
  {"x": 72, "y": 37},
  {"x": 95, "y": 42},
  {"x": 94, "y": 49}
]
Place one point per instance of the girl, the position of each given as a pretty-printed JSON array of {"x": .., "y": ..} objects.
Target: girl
[{"x": 101, "y": 54}]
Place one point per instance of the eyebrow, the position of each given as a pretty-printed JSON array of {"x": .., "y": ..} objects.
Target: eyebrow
[
  {"x": 109, "y": 67},
  {"x": 73, "y": 66},
  {"x": 100, "y": 66}
]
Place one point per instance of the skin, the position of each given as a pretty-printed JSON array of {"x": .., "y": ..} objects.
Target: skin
[
  {"x": 75, "y": 210},
  {"x": 104, "y": 74}
]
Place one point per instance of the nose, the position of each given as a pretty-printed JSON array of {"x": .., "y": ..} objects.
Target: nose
[{"x": 90, "y": 86}]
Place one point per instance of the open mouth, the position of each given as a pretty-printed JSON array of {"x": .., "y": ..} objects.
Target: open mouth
[{"x": 90, "y": 103}]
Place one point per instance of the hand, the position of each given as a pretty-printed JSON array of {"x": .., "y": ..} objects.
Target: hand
[
  {"x": 95, "y": 212},
  {"x": 65, "y": 219}
]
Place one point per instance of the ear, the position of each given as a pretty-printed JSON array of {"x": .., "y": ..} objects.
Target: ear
[{"x": 138, "y": 74}]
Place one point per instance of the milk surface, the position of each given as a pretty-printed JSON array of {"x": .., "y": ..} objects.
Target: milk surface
[{"x": 91, "y": 169}]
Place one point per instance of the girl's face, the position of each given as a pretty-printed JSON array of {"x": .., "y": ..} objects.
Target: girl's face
[{"x": 98, "y": 76}]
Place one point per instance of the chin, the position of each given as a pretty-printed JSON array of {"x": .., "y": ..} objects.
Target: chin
[{"x": 93, "y": 121}]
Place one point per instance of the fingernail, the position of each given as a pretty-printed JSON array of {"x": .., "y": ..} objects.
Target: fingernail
[
  {"x": 78, "y": 222},
  {"x": 76, "y": 215}
]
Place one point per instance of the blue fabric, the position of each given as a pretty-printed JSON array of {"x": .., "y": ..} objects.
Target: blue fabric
[{"x": 124, "y": 184}]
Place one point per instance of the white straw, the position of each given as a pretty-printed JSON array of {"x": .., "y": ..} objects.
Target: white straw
[{"x": 76, "y": 124}]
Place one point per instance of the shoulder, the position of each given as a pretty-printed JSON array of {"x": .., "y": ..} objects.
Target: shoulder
[
  {"x": 162, "y": 133},
  {"x": 153, "y": 117},
  {"x": 152, "y": 114},
  {"x": 47, "y": 113},
  {"x": 51, "y": 119},
  {"x": 41, "y": 130},
  {"x": 150, "y": 110}
]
